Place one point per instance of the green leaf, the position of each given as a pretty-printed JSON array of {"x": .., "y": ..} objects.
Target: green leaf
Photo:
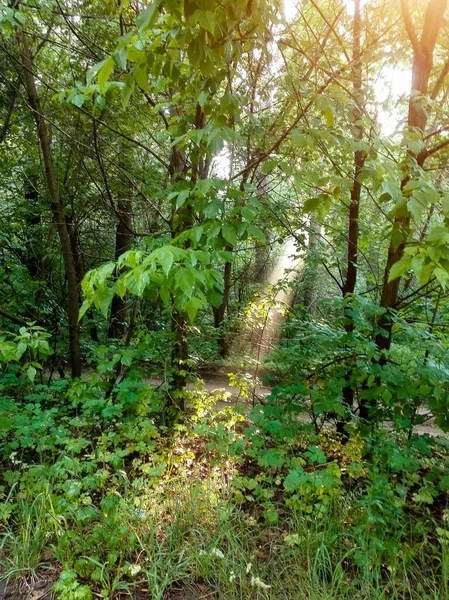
[
  {"x": 78, "y": 100},
  {"x": 185, "y": 280},
  {"x": 181, "y": 198},
  {"x": 126, "y": 94},
  {"x": 165, "y": 258},
  {"x": 271, "y": 517},
  {"x": 164, "y": 293},
  {"x": 442, "y": 275},
  {"x": 195, "y": 52},
  {"x": 147, "y": 17},
  {"x": 248, "y": 213},
  {"x": 31, "y": 373},
  {"x": 228, "y": 233},
  {"x": 268, "y": 166},
  {"x": 315, "y": 455},
  {"x": 120, "y": 57},
  {"x": 445, "y": 205},
  {"x": 293, "y": 480},
  {"x": 272, "y": 458},
  {"x": 141, "y": 76},
  {"x": 105, "y": 71},
  {"x": 312, "y": 204},
  {"x": 256, "y": 232},
  {"x": 84, "y": 308},
  {"x": 21, "y": 349},
  {"x": 399, "y": 268},
  {"x": 329, "y": 116},
  {"x": 416, "y": 208}
]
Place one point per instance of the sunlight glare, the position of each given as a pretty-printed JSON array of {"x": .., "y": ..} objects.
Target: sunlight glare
[
  {"x": 392, "y": 84},
  {"x": 290, "y": 9}
]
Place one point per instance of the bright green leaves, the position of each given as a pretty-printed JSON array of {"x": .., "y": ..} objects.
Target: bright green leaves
[
  {"x": 426, "y": 258},
  {"x": 120, "y": 57},
  {"x": 102, "y": 71},
  {"x": 10, "y": 19},
  {"x": 141, "y": 76},
  {"x": 28, "y": 349},
  {"x": 183, "y": 276},
  {"x": 419, "y": 200},
  {"x": 413, "y": 141},
  {"x": 420, "y": 195},
  {"x": 147, "y": 17},
  {"x": 325, "y": 105},
  {"x": 185, "y": 280},
  {"x": 229, "y": 234}
]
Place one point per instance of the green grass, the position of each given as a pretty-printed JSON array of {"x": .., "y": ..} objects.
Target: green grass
[{"x": 191, "y": 535}]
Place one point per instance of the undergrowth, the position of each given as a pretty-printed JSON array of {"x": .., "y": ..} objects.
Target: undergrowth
[{"x": 102, "y": 498}]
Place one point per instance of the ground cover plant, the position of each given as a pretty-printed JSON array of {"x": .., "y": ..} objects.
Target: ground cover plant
[{"x": 224, "y": 255}]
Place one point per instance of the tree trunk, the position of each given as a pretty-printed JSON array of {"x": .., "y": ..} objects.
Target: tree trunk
[
  {"x": 181, "y": 219},
  {"x": 123, "y": 238},
  {"x": 310, "y": 288},
  {"x": 354, "y": 207},
  {"x": 57, "y": 209},
  {"x": 423, "y": 50},
  {"x": 80, "y": 271},
  {"x": 220, "y": 311}
]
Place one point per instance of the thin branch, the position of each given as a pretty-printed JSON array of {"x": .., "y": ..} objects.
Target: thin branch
[
  {"x": 410, "y": 28},
  {"x": 13, "y": 318},
  {"x": 440, "y": 80}
]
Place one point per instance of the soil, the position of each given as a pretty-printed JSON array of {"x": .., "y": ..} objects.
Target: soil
[{"x": 40, "y": 589}]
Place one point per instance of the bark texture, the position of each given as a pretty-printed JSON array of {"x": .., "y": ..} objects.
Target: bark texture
[{"x": 55, "y": 200}]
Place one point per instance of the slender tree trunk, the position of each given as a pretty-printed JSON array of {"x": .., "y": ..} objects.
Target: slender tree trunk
[
  {"x": 423, "y": 50},
  {"x": 80, "y": 271},
  {"x": 220, "y": 311},
  {"x": 181, "y": 220},
  {"x": 123, "y": 238},
  {"x": 310, "y": 287},
  {"x": 56, "y": 205},
  {"x": 354, "y": 207}
]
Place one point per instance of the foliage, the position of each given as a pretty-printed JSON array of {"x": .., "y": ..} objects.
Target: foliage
[{"x": 191, "y": 178}]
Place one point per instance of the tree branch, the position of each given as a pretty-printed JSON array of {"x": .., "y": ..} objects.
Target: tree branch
[{"x": 410, "y": 28}]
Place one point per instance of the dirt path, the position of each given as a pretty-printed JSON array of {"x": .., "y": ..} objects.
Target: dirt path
[{"x": 214, "y": 382}]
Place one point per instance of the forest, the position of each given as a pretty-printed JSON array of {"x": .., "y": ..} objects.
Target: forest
[{"x": 224, "y": 304}]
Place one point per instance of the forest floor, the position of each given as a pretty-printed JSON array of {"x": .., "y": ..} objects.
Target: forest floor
[
  {"x": 219, "y": 380},
  {"x": 263, "y": 544}
]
